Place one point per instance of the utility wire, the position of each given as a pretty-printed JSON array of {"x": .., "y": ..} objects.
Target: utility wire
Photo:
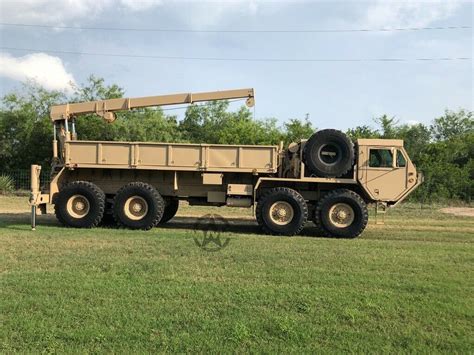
[
  {"x": 239, "y": 59},
  {"x": 240, "y": 31}
]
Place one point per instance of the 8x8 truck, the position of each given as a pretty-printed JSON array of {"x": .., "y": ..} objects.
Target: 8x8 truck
[{"x": 326, "y": 178}]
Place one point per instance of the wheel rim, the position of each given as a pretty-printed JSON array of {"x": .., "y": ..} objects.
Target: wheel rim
[
  {"x": 341, "y": 215},
  {"x": 281, "y": 213},
  {"x": 78, "y": 206},
  {"x": 135, "y": 208},
  {"x": 330, "y": 154}
]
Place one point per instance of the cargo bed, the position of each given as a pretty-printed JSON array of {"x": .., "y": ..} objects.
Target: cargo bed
[{"x": 171, "y": 156}]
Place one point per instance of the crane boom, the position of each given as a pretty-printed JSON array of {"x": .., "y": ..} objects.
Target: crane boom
[{"x": 106, "y": 108}]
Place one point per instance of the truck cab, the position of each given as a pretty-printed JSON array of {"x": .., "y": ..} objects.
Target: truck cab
[{"x": 385, "y": 171}]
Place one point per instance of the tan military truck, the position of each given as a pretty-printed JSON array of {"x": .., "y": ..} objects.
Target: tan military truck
[{"x": 327, "y": 178}]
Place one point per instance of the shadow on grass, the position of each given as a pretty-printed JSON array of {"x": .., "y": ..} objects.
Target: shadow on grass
[
  {"x": 21, "y": 221},
  {"x": 12, "y": 220},
  {"x": 234, "y": 225}
]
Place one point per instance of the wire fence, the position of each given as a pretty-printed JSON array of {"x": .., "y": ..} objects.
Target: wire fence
[{"x": 22, "y": 178}]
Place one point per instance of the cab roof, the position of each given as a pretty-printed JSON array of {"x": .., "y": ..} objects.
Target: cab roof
[{"x": 381, "y": 142}]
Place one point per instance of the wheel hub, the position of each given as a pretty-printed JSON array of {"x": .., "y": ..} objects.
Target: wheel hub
[
  {"x": 281, "y": 213},
  {"x": 135, "y": 208},
  {"x": 330, "y": 154},
  {"x": 78, "y": 206},
  {"x": 341, "y": 215}
]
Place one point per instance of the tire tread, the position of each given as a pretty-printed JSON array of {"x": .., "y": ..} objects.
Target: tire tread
[
  {"x": 149, "y": 189},
  {"x": 171, "y": 208},
  {"x": 286, "y": 191},
  {"x": 340, "y": 193},
  {"x": 314, "y": 140},
  {"x": 74, "y": 185}
]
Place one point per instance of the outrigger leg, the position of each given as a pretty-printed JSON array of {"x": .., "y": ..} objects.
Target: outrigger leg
[
  {"x": 33, "y": 218},
  {"x": 35, "y": 192}
]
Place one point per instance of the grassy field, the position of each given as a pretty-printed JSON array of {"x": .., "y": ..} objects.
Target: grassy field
[{"x": 403, "y": 287}]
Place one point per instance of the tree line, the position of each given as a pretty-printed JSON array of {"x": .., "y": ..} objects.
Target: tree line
[{"x": 443, "y": 150}]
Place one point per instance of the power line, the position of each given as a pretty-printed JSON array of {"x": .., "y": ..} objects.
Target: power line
[
  {"x": 399, "y": 29},
  {"x": 239, "y": 59}
]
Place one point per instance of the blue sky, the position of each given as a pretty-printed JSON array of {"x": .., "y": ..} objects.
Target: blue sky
[{"x": 335, "y": 94}]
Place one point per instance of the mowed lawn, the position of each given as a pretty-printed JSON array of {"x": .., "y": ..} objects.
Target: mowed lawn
[{"x": 407, "y": 286}]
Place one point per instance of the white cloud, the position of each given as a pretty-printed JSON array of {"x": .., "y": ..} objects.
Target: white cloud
[
  {"x": 393, "y": 14},
  {"x": 205, "y": 15},
  {"x": 412, "y": 122},
  {"x": 140, "y": 5},
  {"x": 70, "y": 12},
  {"x": 61, "y": 12},
  {"x": 46, "y": 70}
]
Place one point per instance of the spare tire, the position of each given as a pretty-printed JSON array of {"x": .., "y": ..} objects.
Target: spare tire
[{"x": 328, "y": 153}]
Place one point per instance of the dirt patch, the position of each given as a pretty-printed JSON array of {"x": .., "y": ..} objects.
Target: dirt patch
[{"x": 459, "y": 211}]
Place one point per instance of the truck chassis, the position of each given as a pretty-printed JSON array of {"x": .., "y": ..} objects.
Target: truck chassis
[{"x": 138, "y": 185}]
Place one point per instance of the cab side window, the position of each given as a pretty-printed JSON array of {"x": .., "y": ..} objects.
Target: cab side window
[
  {"x": 401, "y": 161},
  {"x": 380, "y": 158}
]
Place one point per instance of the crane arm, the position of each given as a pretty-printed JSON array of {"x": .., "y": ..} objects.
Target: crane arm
[{"x": 106, "y": 108}]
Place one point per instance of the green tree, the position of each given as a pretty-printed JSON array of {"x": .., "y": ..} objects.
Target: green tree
[
  {"x": 452, "y": 124},
  {"x": 92, "y": 127},
  {"x": 147, "y": 124},
  {"x": 416, "y": 139},
  {"x": 448, "y": 169},
  {"x": 202, "y": 122},
  {"x": 296, "y": 129},
  {"x": 95, "y": 89},
  {"x": 212, "y": 123},
  {"x": 362, "y": 132},
  {"x": 25, "y": 127},
  {"x": 388, "y": 126}
]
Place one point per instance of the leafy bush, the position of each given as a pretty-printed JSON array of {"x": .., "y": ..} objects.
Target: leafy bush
[{"x": 6, "y": 184}]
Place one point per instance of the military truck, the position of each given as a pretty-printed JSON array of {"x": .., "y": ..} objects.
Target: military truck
[{"x": 327, "y": 178}]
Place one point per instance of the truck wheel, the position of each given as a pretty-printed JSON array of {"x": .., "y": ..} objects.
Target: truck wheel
[
  {"x": 319, "y": 231},
  {"x": 282, "y": 211},
  {"x": 329, "y": 153},
  {"x": 138, "y": 205},
  {"x": 80, "y": 204},
  {"x": 171, "y": 207},
  {"x": 108, "y": 220},
  {"x": 341, "y": 213}
]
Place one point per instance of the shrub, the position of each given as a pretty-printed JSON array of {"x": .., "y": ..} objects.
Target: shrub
[{"x": 6, "y": 184}]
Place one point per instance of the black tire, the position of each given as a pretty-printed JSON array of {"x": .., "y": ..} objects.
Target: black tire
[
  {"x": 171, "y": 207},
  {"x": 318, "y": 228},
  {"x": 153, "y": 205},
  {"x": 289, "y": 197},
  {"x": 329, "y": 153},
  {"x": 87, "y": 195},
  {"x": 341, "y": 197},
  {"x": 108, "y": 220}
]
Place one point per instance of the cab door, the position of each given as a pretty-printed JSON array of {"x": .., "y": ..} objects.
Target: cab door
[{"x": 387, "y": 172}]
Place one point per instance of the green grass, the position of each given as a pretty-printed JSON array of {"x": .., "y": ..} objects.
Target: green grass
[{"x": 403, "y": 287}]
